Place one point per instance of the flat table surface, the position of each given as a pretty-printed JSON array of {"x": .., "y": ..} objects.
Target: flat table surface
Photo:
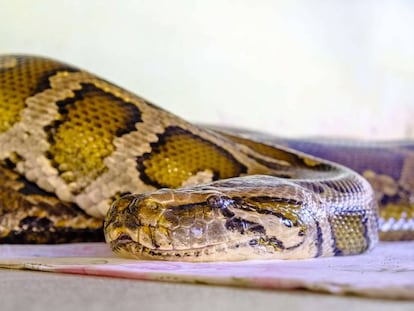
[
  {"x": 30, "y": 290},
  {"x": 387, "y": 272}
]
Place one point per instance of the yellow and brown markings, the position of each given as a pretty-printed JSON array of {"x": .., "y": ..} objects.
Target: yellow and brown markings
[
  {"x": 392, "y": 215},
  {"x": 287, "y": 210},
  {"x": 277, "y": 158},
  {"x": 257, "y": 216},
  {"x": 284, "y": 209},
  {"x": 396, "y": 205},
  {"x": 350, "y": 232},
  {"x": 30, "y": 215},
  {"x": 179, "y": 154},
  {"x": 83, "y": 135},
  {"x": 20, "y": 78}
]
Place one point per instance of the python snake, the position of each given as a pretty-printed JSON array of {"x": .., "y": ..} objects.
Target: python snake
[{"x": 72, "y": 143}]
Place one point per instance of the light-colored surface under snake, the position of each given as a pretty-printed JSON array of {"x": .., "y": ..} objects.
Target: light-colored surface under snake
[{"x": 71, "y": 143}]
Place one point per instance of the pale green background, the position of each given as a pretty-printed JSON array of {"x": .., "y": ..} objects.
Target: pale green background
[{"x": 343, "y": 68}]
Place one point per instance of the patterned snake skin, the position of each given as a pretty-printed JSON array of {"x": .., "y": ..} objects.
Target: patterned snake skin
[{"x": 72, "y": 143}]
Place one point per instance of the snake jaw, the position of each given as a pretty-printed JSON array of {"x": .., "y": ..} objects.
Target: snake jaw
[{"x": 214, "y": 225}]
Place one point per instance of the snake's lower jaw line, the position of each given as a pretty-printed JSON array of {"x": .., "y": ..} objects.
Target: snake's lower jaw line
[{"x": 125, "y": 246}]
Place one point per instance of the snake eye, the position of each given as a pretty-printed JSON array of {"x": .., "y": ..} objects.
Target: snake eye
[
  {"x": 220, "y": 202},
  {"x": 215, "y": 201}
]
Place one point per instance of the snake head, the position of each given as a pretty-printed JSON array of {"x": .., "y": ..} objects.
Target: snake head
[{"x": 212, "y": 222}]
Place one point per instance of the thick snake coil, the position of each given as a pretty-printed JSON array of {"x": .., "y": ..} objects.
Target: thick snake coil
[{"x": 72, "y": 143}]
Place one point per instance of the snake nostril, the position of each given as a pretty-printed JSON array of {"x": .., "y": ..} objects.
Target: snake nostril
[{"x": 132, "y": 207}]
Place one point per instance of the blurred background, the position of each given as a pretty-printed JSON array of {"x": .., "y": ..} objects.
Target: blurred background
[{"x": 292, "y": 68}]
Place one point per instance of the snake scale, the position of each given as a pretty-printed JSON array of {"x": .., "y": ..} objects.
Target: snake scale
[{"x": 72, "y": 143}]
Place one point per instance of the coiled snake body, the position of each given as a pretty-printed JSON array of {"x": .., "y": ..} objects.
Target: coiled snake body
[{"x": 72, "y": 143}]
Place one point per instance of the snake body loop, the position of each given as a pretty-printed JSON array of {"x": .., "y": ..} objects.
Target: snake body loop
[{"x": 72, "y": 143}]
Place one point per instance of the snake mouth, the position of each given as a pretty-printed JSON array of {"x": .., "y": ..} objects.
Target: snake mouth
[
  {"x": 182, "y": 244},
  {"x": 126, "y": 247}
]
